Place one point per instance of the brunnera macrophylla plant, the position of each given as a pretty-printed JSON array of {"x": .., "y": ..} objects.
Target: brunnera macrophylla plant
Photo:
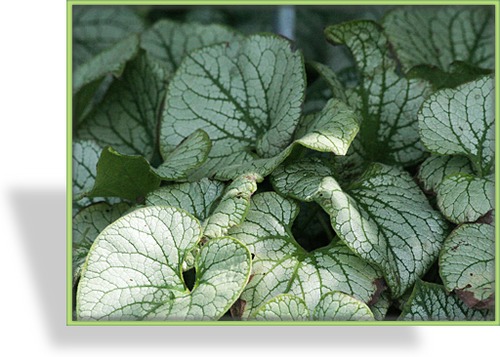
[{"x": 220, "y": 173}]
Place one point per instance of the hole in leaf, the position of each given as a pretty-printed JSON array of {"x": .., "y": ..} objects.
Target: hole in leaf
[
  {"x": 189, "y": 277},
  {"x": 264, "y": 186},
  {"x": 312, "y": 229}
]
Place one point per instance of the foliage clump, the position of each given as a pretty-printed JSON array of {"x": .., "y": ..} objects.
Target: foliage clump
[{"x": 221, "y": 171}]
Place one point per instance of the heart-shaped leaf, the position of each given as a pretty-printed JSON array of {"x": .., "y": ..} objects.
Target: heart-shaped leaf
[
  {"x": 383, "y": 217},
  {"x": 467, "y": 264},
  {"x": 134, "y": 270},
  {"x": 281, "y": 266},
  {"x": 245, "y": 95}
]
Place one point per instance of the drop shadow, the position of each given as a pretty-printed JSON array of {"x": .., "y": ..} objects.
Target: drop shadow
[{"x": 41, "y": 216}]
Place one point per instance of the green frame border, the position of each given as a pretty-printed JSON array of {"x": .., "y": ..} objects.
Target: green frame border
[{"x": 69, "y": 154}]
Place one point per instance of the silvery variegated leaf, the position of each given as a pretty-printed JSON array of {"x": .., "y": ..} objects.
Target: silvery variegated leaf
[
  {"x": 282, "y": 266},
  {"x": 436, "y": 167},
  {"x": 466, "y": 198},
  {"x": 467, "y": 264},
  {"x": 88, "y": 223},
  {"x": 134, "y": 270},
  {"x": 388, "y": 101},
  {"x": 441, "y": 36},
  {"x": 245, "y": 95},
  {"x": 331, "y": 130},
  {"x": 383, "y": 217},
  {"x": 333, "y": 306},
  {"x": 431, "y": 302},
  {"x": 168, "y": 41},
  {"x": 461, "y": 121},
  {"x": 127, "y": 118},
  {"x": 97, "y": 28}
]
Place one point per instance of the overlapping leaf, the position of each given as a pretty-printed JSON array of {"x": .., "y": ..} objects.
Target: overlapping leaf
[
  {"x": 389, "y": 102},
  {"x": 134, "y": 270},
  {"x": 110, "y": 61},
  {"x": 467, "y": 264},
  {"x": 85, "y": 157},
  {"x": 441, "y": 36},
  {"x": 187, "y": 156},
  {"x": 461, "y": 121},
  {"x": 127, "y": 118},
  {"x": 219, "y": 209},
  {"x": 435, "y": 168},
  {"x": 383, "y": 217},
  {"x": 125, "y": 176},
  {"x": 96, "y": 28},
  {"x": 333, "y": 306},
  {"x": 196, "y": 198},
  {"x": 465, "y": 198},
  {"x": 431, "y": 302},
  {"x": 330, "y": 130},
  {"x": 281, "y": 266},
  {"x": 245, "y": 95},
  {"x": 169, "y": 41},
  {"x": 88, "y": 223}
]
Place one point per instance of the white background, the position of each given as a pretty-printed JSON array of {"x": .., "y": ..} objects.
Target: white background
[{"x": 32, "y": 226}]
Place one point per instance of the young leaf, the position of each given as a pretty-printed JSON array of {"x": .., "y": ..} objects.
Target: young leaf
[
  {"x": 440, "y": 36},
  {"x": 281, "y": 266},
  {"x": 169, "y": 41},
  {"x": 88, "y": 223},
  {"x": 134, "y": 272},
  {"x": 110, "y": 61},
  {"x": 465, "y": 198},
  {"x": 124, "y": 176},
  {"x": 467, "y": 264},
  {"x": 431, "y": 302},
  {"x": 389, "y": 102},
  {"x": 461, "y": 121},
  {"x": 187, "y": 156},
  {"x": 245, "y": 95},
  {"x": 217, "y": 208},
  {"x": 96, "y": 28},
  {"x": 127, "y": 118},
  {"x": 232, "y": 208},
  {"x": 435, "y": 168},
  {"x": 383, "y": 217}
]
